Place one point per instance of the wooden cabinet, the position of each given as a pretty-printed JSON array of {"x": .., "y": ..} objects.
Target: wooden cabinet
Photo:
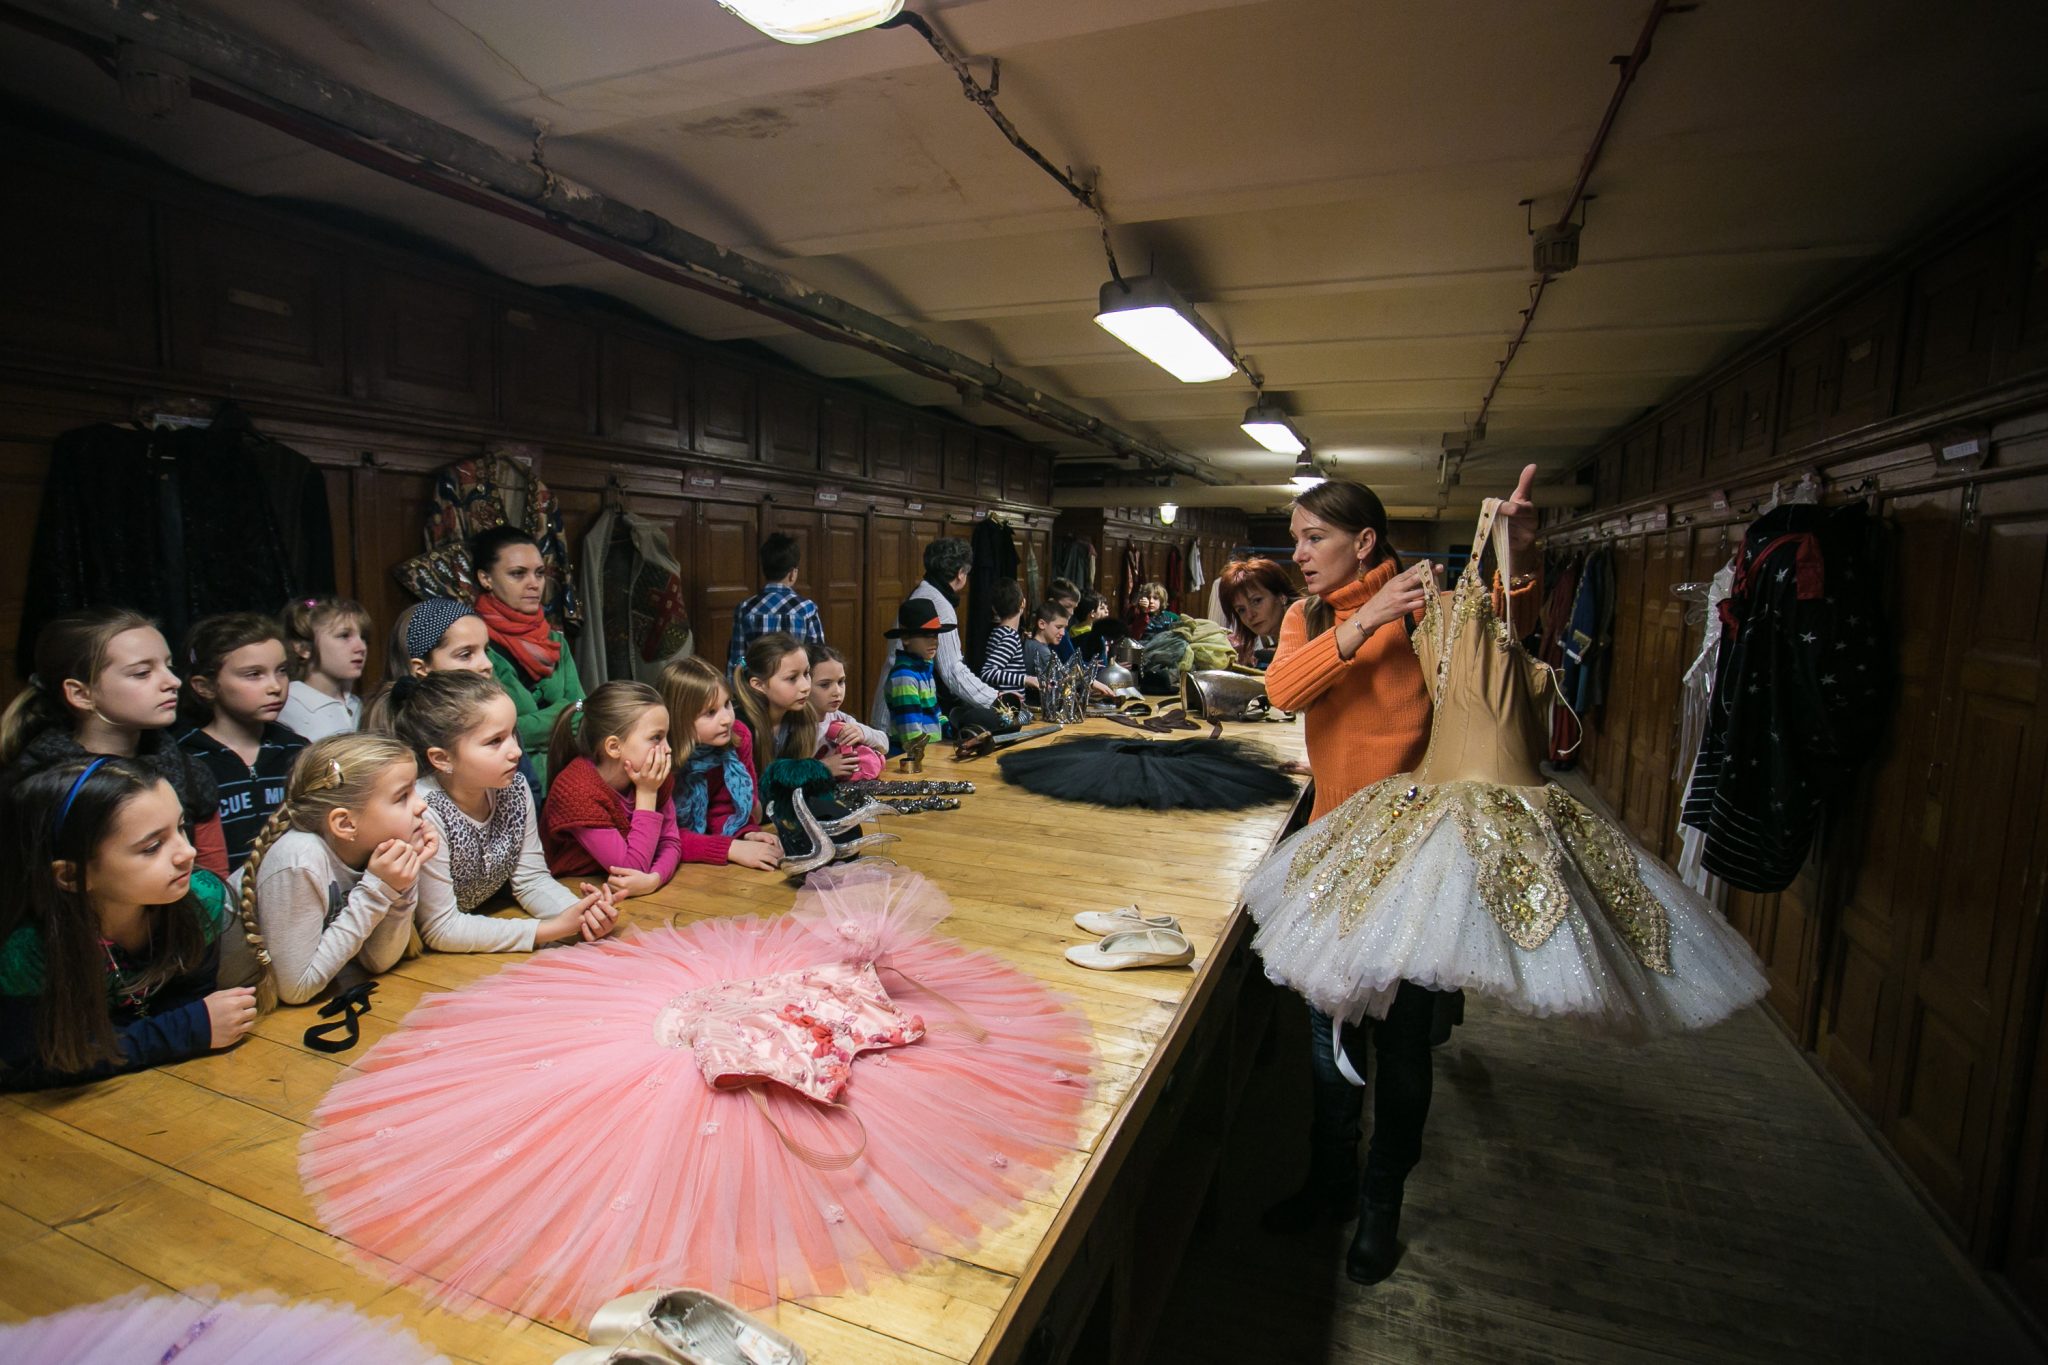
[
  {"x": 722, "y": 410},
  {"x": 838, "y": 584},
  {"x": 76, "y": 278},
  {"x": 421, "y": 343},
  {"x": 1639, "y": 464},
  {"x": 888, "y": 447},
  {"x": 2024, "y": 349},
  {"x": 727, "y": 545},
  {"x": 927, "y": 459},
  {"x": 1841, "y": 374},
  {"x": 1954, "y": 318},
  {"x": 989, "y": 456},
  {"x": 841, "y": 437},
  {"x": 1681, "y": 447},
  {"x": 646, "y": 393},
  {"x": 789, "y": 424},
  {"x": 1020, "y": 473},
  {"x": 254, "y": 304},
  {"x": 549, "y": 364},
  {"x": 960, "y": 464},
  {"x": 1742, "y": 417}
]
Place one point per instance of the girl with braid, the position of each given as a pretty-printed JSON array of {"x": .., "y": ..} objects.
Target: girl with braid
[{"x": 333, "y": 879}]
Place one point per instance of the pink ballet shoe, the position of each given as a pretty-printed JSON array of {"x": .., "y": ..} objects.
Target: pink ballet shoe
[{"x": 689, "y": 1327}]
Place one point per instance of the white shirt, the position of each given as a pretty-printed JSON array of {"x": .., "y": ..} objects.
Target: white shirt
[
  {"x": 314, "y": 714},
  {"x": 318, "y": 914},
  {"x": 444, "y": 925}
]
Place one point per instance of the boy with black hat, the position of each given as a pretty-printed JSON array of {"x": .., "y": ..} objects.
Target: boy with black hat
[{"x": 910, "y": 688}]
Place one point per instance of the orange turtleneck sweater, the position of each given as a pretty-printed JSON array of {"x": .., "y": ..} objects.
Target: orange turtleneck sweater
[{"x": 1364, "y": 718}]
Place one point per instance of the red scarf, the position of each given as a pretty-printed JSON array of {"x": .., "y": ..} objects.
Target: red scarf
[
  {"x": 580, "y": 798},
  {"x": 523, "y": 638}
]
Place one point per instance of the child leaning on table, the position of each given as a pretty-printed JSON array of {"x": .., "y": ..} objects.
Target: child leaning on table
[{"x": 850, "y": 751}]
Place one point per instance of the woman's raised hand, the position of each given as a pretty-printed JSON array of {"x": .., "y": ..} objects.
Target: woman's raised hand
[{"x": 1521, "y": 513}]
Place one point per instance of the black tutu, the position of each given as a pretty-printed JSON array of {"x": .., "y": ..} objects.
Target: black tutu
[{"x": 1187, "y": 774}]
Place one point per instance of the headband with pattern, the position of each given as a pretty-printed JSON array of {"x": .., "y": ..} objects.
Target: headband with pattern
[{"x": 430, "y": 621}]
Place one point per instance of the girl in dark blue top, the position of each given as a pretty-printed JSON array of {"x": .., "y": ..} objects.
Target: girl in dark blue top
[{"x": 109, "y": 934}]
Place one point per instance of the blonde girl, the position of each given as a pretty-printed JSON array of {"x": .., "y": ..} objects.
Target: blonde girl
[
  {"x": 460, "y": 727},
  {"x": 104, "y": 684},
  {"x": 333, "y": 878},
  {"x": 714, "y": 768},
  {"x": 771, "y": 690},
  {"x": 328, "y": 640},
  {"x": 611, "y": 806}
]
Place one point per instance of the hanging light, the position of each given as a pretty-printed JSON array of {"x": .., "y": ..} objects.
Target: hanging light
[
  {"x": 812, "y": 21},
  {"x": 1265, "y": 423},
  {"x": 1167, "y": 512},
  {"x": 1148, "y": 315},
  {"x": 1306, "y": 475}
]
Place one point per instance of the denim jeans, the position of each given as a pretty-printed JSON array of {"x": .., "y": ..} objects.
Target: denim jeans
[{"x": 1401, "y": 1083}]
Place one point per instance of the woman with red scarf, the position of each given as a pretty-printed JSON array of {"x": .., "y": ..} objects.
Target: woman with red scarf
[{"x": 527, "y": 654}]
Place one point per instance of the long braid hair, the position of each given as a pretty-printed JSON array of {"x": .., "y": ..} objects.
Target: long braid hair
[
  {"x": 331, "y": 774},
  {"x": 1351, "y": 508}
]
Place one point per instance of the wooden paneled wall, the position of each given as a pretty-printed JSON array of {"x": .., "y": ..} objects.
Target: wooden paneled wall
[
  {"x": 1908, "y": 956},
  {"x": 1114, "y": 531},
  {"x": 132, "y": 290}
]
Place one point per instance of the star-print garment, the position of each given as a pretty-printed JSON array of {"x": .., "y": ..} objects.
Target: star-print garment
[
  {"x": 547, "y": 1139},
  {"x": 1471, "y": 873},
  {"x": 1801, "y": 691}
]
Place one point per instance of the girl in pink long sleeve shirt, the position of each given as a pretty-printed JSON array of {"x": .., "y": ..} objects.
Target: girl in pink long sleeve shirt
[{"x": 611, "y": 803}]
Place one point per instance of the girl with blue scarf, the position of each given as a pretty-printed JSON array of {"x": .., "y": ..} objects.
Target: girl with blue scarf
[{"x": 716, "y": 808}]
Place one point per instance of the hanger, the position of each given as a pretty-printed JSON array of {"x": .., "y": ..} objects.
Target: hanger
[{"x": 613, "y": 498}]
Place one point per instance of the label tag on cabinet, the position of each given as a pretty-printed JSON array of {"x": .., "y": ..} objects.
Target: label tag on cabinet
[
  {"x": 827, "y": 495},
  {"x": 699, "y": 478},
  {"x": 913, "y": 507}
]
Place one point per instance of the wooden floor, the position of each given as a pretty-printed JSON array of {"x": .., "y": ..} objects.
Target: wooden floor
[
  {"x": 187, "y": 1176},
  {"x": 1704, "y": 1199}
]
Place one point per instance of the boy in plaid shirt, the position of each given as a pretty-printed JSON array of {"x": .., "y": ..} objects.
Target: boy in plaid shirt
[{"x": 777, "y": 606}]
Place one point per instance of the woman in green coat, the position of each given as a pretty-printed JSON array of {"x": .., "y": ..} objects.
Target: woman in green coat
[{"x": 528, "y": 656}]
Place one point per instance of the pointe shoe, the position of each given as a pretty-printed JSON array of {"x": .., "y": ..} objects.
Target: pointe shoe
[
  {"x": 691, "y": 1327},
  {"x": 1134, "y": 948},
  {"x": 1103, "y": 923}
]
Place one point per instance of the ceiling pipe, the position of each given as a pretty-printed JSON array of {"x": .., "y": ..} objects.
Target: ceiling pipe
[
  {"x": 1251, "y": 497},
  {"x": 393, "y": 140},
  {"x": 1630, "y": 65}
]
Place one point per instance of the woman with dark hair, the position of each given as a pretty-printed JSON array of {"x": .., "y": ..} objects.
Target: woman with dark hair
[
  {"x": 529, "y": 658},
  {"x": 1346, "y": 666},
  {"x": 1255, "y": 594}
]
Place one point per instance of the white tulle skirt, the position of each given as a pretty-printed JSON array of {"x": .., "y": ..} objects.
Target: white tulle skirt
[{"x": 1520, "y": 893}]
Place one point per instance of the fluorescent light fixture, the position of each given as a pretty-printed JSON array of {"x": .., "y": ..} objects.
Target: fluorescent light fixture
[
  {"x": 1306, "y": 475},
  {"x": 1168, "y": 511},
  {"x": 1146, "y": 314},
  {"x": 1265, "y": 423},
  {"x": 812, "y": 21}
]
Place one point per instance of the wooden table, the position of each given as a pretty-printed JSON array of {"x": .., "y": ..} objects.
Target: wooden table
[{"x": 187, "y": 1176}]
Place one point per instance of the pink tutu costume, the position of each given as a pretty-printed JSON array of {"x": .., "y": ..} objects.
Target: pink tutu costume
[
  {"x": 759, "y": 1108},
  {"x": 146, "y": 1329}
]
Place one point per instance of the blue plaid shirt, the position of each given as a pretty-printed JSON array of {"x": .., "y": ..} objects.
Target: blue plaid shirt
[{"x": 775, "y": 607}]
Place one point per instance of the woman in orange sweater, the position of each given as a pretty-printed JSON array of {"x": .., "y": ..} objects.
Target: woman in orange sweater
[{"x": 1348, "y": 668}]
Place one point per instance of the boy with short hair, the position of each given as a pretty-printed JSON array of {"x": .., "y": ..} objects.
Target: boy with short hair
[{"x": 777, "y": 607}]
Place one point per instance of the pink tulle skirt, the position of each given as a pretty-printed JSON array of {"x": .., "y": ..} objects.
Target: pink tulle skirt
[
  {"x": 532, "y": 1143},
  {"x": 145, "y": 1329}
]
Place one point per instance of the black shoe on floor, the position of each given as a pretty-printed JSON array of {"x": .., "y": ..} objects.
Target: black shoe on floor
[{"x": 1376, "y": 1246}]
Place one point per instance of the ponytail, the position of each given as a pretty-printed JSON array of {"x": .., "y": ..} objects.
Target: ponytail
[
  {"x": 563, "y": 742},
  {"x": 68, "y": 648}
]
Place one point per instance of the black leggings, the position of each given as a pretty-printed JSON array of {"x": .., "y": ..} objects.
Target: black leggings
[{"x": 1401, "y": 1085}]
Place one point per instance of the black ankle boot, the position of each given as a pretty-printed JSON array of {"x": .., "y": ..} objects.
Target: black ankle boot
[
  {"x": 1376, "y": 1246},
  {"x": 1328, "y": 1198}
]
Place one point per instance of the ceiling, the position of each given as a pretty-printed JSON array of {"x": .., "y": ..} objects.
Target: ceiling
[{"x": 1334, "y": 182}]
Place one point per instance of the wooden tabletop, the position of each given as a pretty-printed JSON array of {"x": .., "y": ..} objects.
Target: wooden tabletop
[{"x": 187, "y": 1176}]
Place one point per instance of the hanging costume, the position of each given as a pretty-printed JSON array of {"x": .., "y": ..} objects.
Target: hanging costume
[
  {"x": 1800, "y": 694},
  {"x": 656, "y": 1110},
  {"x": 1696, "y": 694},
  {"x": 1472, "y": 873},
  {"x": 631, "y": 591},
  {"x": 145, "y": 519},
  {"x": 196, "y": 1328}
]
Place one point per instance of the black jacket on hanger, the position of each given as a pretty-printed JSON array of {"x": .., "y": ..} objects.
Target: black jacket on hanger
[
  {"x": 995, "y": 557},
  {"x": 1801, "y": 693},
  {"x": 176, "y": 524}
]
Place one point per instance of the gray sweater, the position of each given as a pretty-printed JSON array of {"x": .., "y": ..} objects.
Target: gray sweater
[{"x": 318, "y": 914}]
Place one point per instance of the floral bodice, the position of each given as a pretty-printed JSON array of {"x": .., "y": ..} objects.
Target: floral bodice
[{"x": 801, "y": 1029}]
